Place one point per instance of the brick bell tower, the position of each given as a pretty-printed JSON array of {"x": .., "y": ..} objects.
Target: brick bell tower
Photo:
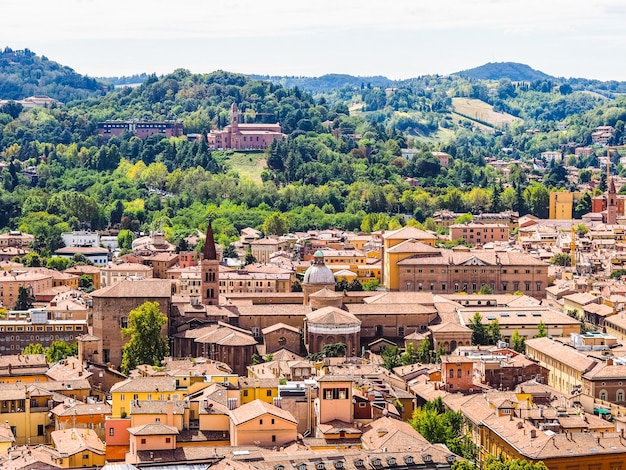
[{"x": 210, "y": 270}]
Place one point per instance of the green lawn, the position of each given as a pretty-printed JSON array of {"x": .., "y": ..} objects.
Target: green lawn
[{"x": 248, "y": 165}]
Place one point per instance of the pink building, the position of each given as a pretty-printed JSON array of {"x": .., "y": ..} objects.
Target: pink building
[{"x": 244, "y": 136}]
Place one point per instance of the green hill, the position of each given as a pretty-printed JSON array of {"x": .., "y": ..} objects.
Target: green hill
[
  {"x": 326, "y": 83},
  {"x": 511, "y": 70},
  {"x": 23, "y": 74}
]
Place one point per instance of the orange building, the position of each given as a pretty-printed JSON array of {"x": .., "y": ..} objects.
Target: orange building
[
  {"x": 457, "y": 373},
  {"x": 260, "y": 423}
]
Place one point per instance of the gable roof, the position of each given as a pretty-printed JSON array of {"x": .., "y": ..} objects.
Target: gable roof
[{"x": 256, "y": 409}]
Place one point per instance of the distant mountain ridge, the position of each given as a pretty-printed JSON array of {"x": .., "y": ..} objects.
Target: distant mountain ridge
[{"x": 512, "y": 70}]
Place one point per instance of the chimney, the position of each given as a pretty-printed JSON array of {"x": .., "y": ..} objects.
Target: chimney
[
  {"x": 278, "y": 402},
  {"x": 232, "y": 403},
  {"x": 533, "y": 433}
]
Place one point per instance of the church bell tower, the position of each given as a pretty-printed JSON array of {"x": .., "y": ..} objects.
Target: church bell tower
[{"x": 210, "y": 270}]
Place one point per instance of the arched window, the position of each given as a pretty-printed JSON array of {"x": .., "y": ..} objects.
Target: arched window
[
  {"x": 282, "y": 341},
  {"x": 603, "y": 395}
]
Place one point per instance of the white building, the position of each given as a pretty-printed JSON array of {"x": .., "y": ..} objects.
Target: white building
[{"x": 80, "y": 238}]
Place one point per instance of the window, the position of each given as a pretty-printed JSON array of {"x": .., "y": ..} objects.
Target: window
[
  {"x": 143, "y": 441},
  {"x": 40, "y": 431},
  {"x": 111, "y": 431},
  {"x": 282, "y": 341},
  {"x": 245, "y": 393},
  {"x": 272, "y": 420},
  {"x": 273, "y": 438},
  {"x": 261, "y": 421},
  {"x": 268, "y": 393},
  {"x": 168, "y": 440},
  {"x": 85, "y": 456},
  {"x": 620, "y": 396}
]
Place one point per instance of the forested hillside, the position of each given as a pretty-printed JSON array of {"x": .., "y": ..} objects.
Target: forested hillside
[
  {"x": 340, "y": 164},
  {"x": 23, "y": 74}
]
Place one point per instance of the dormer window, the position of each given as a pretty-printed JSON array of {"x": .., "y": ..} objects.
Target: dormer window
[
  {"x": 376, "y": 462},
  {"x": 320, "y": 466},
  {"x": 279, "y": 467},
  {"x": 358, "y": 462},
  {"x": 427, "y": 458},
  {"x": 338, "y": 464},
  {"x": 451, "y": 458},
  {"x": 302, "y": 466},
  {"x": 408, "y": 459},
  {"x": 391, "y": 461}
]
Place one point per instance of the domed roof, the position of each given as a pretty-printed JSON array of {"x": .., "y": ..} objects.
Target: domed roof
[{"x": 318, "y": 273}]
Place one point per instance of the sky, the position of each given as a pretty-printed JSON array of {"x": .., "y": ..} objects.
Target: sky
[{"x": 395, "y": 38}]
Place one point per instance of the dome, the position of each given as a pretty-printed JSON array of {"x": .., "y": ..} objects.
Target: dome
[{"x": 318, "y": 273}]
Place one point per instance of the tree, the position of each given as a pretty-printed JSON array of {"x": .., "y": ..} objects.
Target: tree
[
  {"x": 24, "y": 299},
  {"x": 479, "y": 332},
  {"x": 250, "y": 258},
  {"x": 542, "y": 331},
  {"x": 60, "y": 350},
  {"x": 424, "y": 352},
  {"x": 329, "y": 350},
  {"x": 146, "y": 344},
  {"x": 493, "y": 331},
  {"x": 390, "y": 357},
  {"x": 561, "y": 259},
  {"x": 485, "y": 289},
  {"x": 518, "y": 342},
  {"x": 537, "y": 199},
  {"x": 85, "y": 283},
  {"x": 34, "y": 348},
  {"x": 464, "y": 219},
  {"x": 57, "y": 263},
  {"x": 370, "y": 284},
  {"x": 125, "y": 240},
  {"x": 276, "y": 224},
  {"x": 493, "y": 462}
]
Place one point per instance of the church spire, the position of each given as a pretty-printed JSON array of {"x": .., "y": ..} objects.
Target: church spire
[{"x": 209, "y": 244}]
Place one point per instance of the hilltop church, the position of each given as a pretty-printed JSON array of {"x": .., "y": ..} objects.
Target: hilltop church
[{"x": 238, "y": 136}]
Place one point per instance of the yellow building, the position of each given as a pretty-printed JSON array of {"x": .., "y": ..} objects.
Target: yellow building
[
  {"x": 258, "y": 389},
  {"x": 401, "y": 244},
  {"x": 6, "y": 437},
  {"x": 566, "y": 366},
  {"x": 562, "y": 204},
  {"x": 142, "y": 388},
  {"x": 25, "y": 411}
]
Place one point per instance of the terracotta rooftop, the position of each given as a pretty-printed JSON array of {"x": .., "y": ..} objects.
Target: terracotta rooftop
[
  {"x": 155, "y": 288},
  {"x": 154, "y": 429},
  {"x": 332, "y": 316},
  {"x": 256, "y": 409},
  {"x": 146, "y": 384},
  {"x": 72, "y": 441}
]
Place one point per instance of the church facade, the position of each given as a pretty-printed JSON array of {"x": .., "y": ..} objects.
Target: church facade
[{"x": 238, "y": 136}]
